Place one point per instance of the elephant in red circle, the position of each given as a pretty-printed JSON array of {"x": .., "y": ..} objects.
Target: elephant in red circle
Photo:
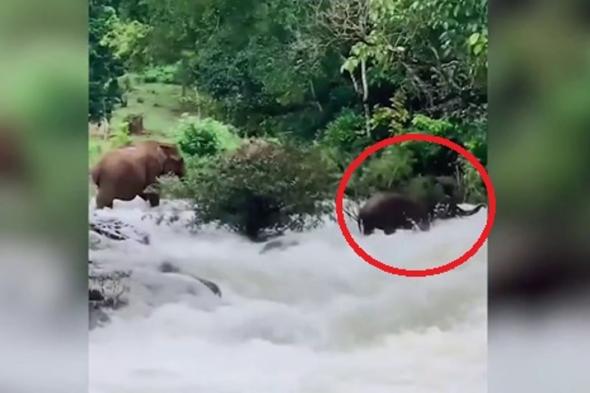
[{"x": 391, "y": 211}]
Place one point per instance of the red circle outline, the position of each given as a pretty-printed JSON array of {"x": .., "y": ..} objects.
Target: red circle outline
[{"x": 423, "y": 138}]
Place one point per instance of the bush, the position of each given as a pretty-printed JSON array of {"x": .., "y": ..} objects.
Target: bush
[
  {"x": 195, "y": 102},
  {"x": 346, "y": 133},
  {"x": 471, "y": 184},
  {"x": 433, "y": 190},
  {"x": 198, "y": 138},
  {"x": 205, "y": 137},
  {"x": 435, "y": 159},
  {"x": 474, "y": 136},
  {"x": 262, "y": 188},
  {"x": 161, "y": 74},
  {"x": 386, "y": 171},
  {"x": 120, "y": 137}
]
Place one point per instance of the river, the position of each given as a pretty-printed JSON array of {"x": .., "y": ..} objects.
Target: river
[{"x": 311, "y": 318}]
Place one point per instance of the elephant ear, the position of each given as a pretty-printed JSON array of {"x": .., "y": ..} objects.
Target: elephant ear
[{"x": 170, "y": 150}]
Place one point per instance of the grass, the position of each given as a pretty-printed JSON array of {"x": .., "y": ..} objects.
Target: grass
[
  {"x": 160, "y": 105},
  {"x": 96, "y": 148},
  {"x": 228, "y": 140}
]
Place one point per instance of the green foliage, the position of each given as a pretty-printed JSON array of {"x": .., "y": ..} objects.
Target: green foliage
[
  {"x": 159, "y": 103},
  {"x": 387, "y": 171},
  {"x": 128, "y": 40},
  {"x": 427, "y": 189},
  {"x": 391, "y": 119},
  {"x": 471, "y": 183},
  {"x": 261, "y": 189},
  {"x": 205, "y": 137},
  {"x": 195, "y": 102},
  {"x": 105, "y": 68},
  {"x": 255, "y": 61},
  {"x": 120, "y": 137},
  {"x": 198, "y": 138},
  {"x": 432, "y": 126},
  {"x": 474, "y": 138},
  {"x": 346, "y": 133},
  {"x": 337, "y": 74},
  {"x": 167, "y": 74},
  {"x": 435, "y": 159}
]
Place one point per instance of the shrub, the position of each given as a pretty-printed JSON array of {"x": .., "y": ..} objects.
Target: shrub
[
  {"x": 262, "y": 188},
  {"x": 433, "y": 126},
  {"x": 471, "y": 184},
  {"x": 161, "y": 74},
  {"x": 392, "y": 119},
  {"x": 120, "y": 137},
  {"x": 474, "y": 136},
  {"x": 431, "y": 190},
  {"x": 198, "y": 138},
  {"x": 346, "y": 133},
  {"x": 384, "y": 172},
  {"x": 205, "y": 137},
  {"x": 195, "y": 102},
  {"x": 432, "y": 158},
  {"x": 435, "y": 159}
]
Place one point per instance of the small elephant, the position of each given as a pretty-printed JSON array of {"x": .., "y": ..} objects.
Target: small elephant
[
  {"x": 391, "y": 211},
  {"x": 126, "y": 172}
]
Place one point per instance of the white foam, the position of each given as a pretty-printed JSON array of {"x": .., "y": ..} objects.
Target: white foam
[{"x": 311, "y": 318}]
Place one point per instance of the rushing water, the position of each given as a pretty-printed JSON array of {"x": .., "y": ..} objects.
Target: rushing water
[{"x": 311, "y": 318}]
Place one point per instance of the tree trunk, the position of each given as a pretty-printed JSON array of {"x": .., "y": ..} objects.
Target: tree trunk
[
  {"x": 365, "y": 93},
  {"x": 313, "y": 93}
]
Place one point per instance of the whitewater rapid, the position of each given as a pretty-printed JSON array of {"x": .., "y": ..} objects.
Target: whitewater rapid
[{"x": 312, "y": 318}]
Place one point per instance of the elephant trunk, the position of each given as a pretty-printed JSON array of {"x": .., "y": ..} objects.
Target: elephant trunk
[{"x": 466, "y": 213}]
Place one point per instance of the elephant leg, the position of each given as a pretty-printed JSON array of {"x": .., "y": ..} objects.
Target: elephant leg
[
  {"x": 151, "y": 197},
  {"x": 424, "y": 225},
  {"x": 103, "y": 201},
  {"x": 389, "y": 231}
]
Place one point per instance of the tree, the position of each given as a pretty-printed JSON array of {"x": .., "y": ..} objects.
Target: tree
[{"x": 105, "y": 68}]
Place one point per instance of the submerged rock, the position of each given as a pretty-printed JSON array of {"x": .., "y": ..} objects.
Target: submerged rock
[
  {"x": 211, "y": 285},
  {"x": 278, "y": 245},
  {"x": 94, "y": 295},
  {"x": 115, "y": 229},
  {"x": 106, "y": 292},
  {"x": 96, "y": 316},
  {"x": 167, "y": 267}
]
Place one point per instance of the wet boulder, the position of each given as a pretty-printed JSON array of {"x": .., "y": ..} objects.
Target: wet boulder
[
  {"x": 278, "y": 245},
  {"x": 105, "y": 292},
  {"x": 168, "y": 267},
  {"x": 114, "y": 229}
]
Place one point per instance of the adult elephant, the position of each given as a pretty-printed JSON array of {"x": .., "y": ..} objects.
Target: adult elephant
[
  {"x": 390, "y": 211},
  {"x": 126, "y": 172}
]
